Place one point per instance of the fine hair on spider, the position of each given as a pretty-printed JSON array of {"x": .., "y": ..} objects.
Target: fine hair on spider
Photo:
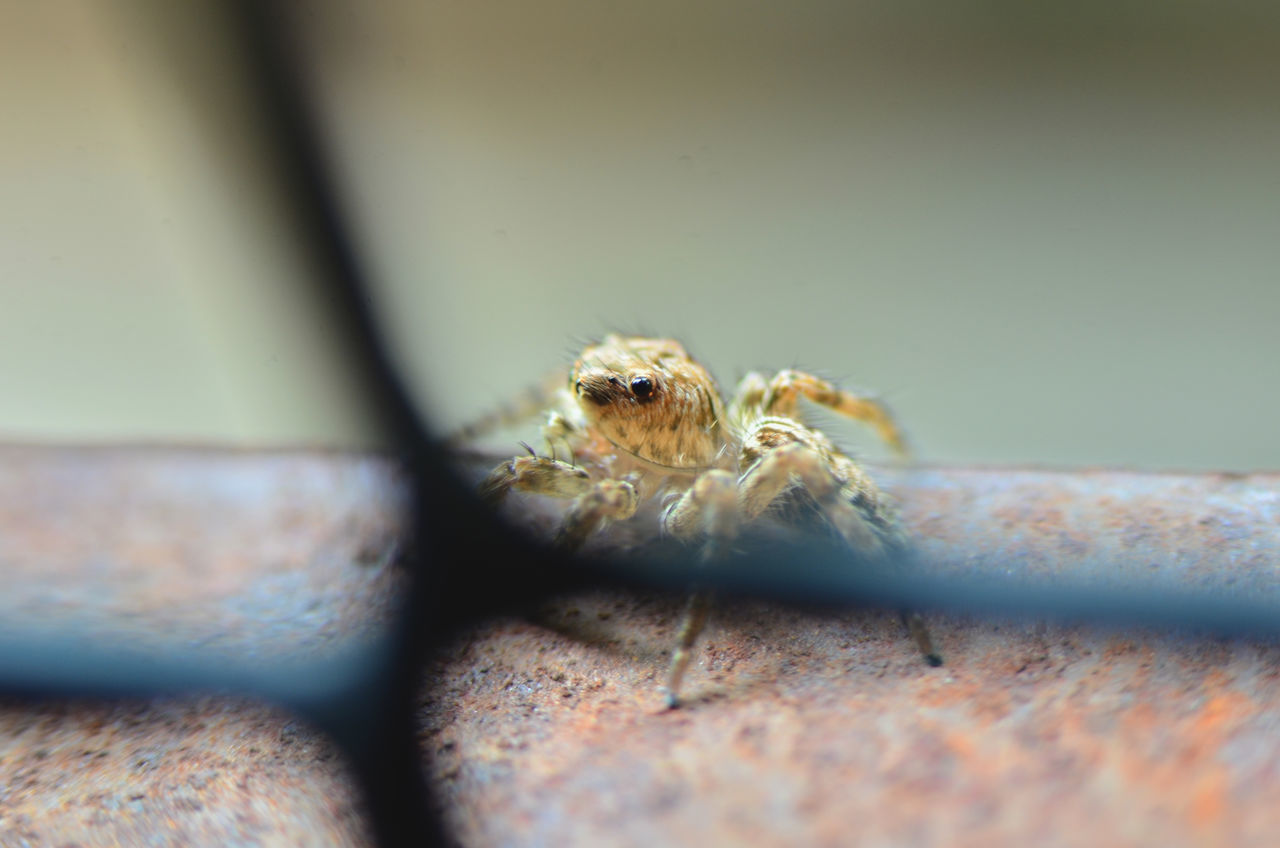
[{"x": 644, "y": 422}]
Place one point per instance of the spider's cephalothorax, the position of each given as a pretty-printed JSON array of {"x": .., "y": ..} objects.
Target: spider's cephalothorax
[
  {"x": 641, "y": 420},
  {"x": 647, "y": 398}
]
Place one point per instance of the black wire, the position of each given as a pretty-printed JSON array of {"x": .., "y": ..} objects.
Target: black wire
[
  {"x": 466, "y": 563},
  {"x": 374, "y": 725}
]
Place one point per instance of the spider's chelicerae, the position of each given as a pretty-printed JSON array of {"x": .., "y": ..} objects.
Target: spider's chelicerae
[{"x": 643, "y": 421}]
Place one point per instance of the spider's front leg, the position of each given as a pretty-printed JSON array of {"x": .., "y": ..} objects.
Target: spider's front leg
[
  {"x": 709, "y": 511},
  {"x": 594, "y": 503}
]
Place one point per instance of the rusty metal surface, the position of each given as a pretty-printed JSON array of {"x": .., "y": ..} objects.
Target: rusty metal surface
[
  {"x": 1220, "y": 530},
  {"x": 256, "y": 555},
  {"x": 250, "y": 553},
  {"x": 806, "y": 730},
  {"x": 170, "y": 772},
  {"x": 549, "y": 729}
]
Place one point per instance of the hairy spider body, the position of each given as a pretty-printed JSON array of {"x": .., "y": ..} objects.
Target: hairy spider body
[{"x": 643, "y": 420}]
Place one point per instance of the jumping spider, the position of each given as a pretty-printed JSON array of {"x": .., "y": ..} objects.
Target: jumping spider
[{"x": 643, "y": 420}]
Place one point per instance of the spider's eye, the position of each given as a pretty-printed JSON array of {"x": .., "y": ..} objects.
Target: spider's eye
[{"x": 642, "y": 387}]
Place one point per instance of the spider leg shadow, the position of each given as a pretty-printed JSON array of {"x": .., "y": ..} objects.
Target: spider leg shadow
[{"x": 627, "y": 624}]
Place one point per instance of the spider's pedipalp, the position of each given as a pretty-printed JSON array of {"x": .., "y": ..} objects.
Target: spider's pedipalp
[
  {"x": 538, "y": 474},
  {"x": 607, "y": 500}
]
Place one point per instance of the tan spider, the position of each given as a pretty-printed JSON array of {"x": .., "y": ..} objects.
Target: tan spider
[{"x": 644, "y": 421}]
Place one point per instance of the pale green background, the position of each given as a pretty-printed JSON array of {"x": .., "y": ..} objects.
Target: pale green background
[{"x": 1045, "y": 236}]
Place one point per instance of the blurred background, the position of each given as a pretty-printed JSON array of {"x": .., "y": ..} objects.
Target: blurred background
[{"x": 1044, "y": 234}]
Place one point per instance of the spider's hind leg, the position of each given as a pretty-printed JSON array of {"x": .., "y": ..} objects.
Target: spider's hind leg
[
  {"x": 780, "y": 396},
  {"x": 848, "y": 500},
  {"x": 788, "y": 457},
  {"x": 528, "y": 404}
]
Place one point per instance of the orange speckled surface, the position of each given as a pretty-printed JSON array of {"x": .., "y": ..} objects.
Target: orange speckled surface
[
  {"x": 549, "y": 729},
  {"x": 829, "y": 731},
  {"x": 251, "y": 555},
  {"x": 810, "y": 730},
  {"x": 171, "y": 772}
]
